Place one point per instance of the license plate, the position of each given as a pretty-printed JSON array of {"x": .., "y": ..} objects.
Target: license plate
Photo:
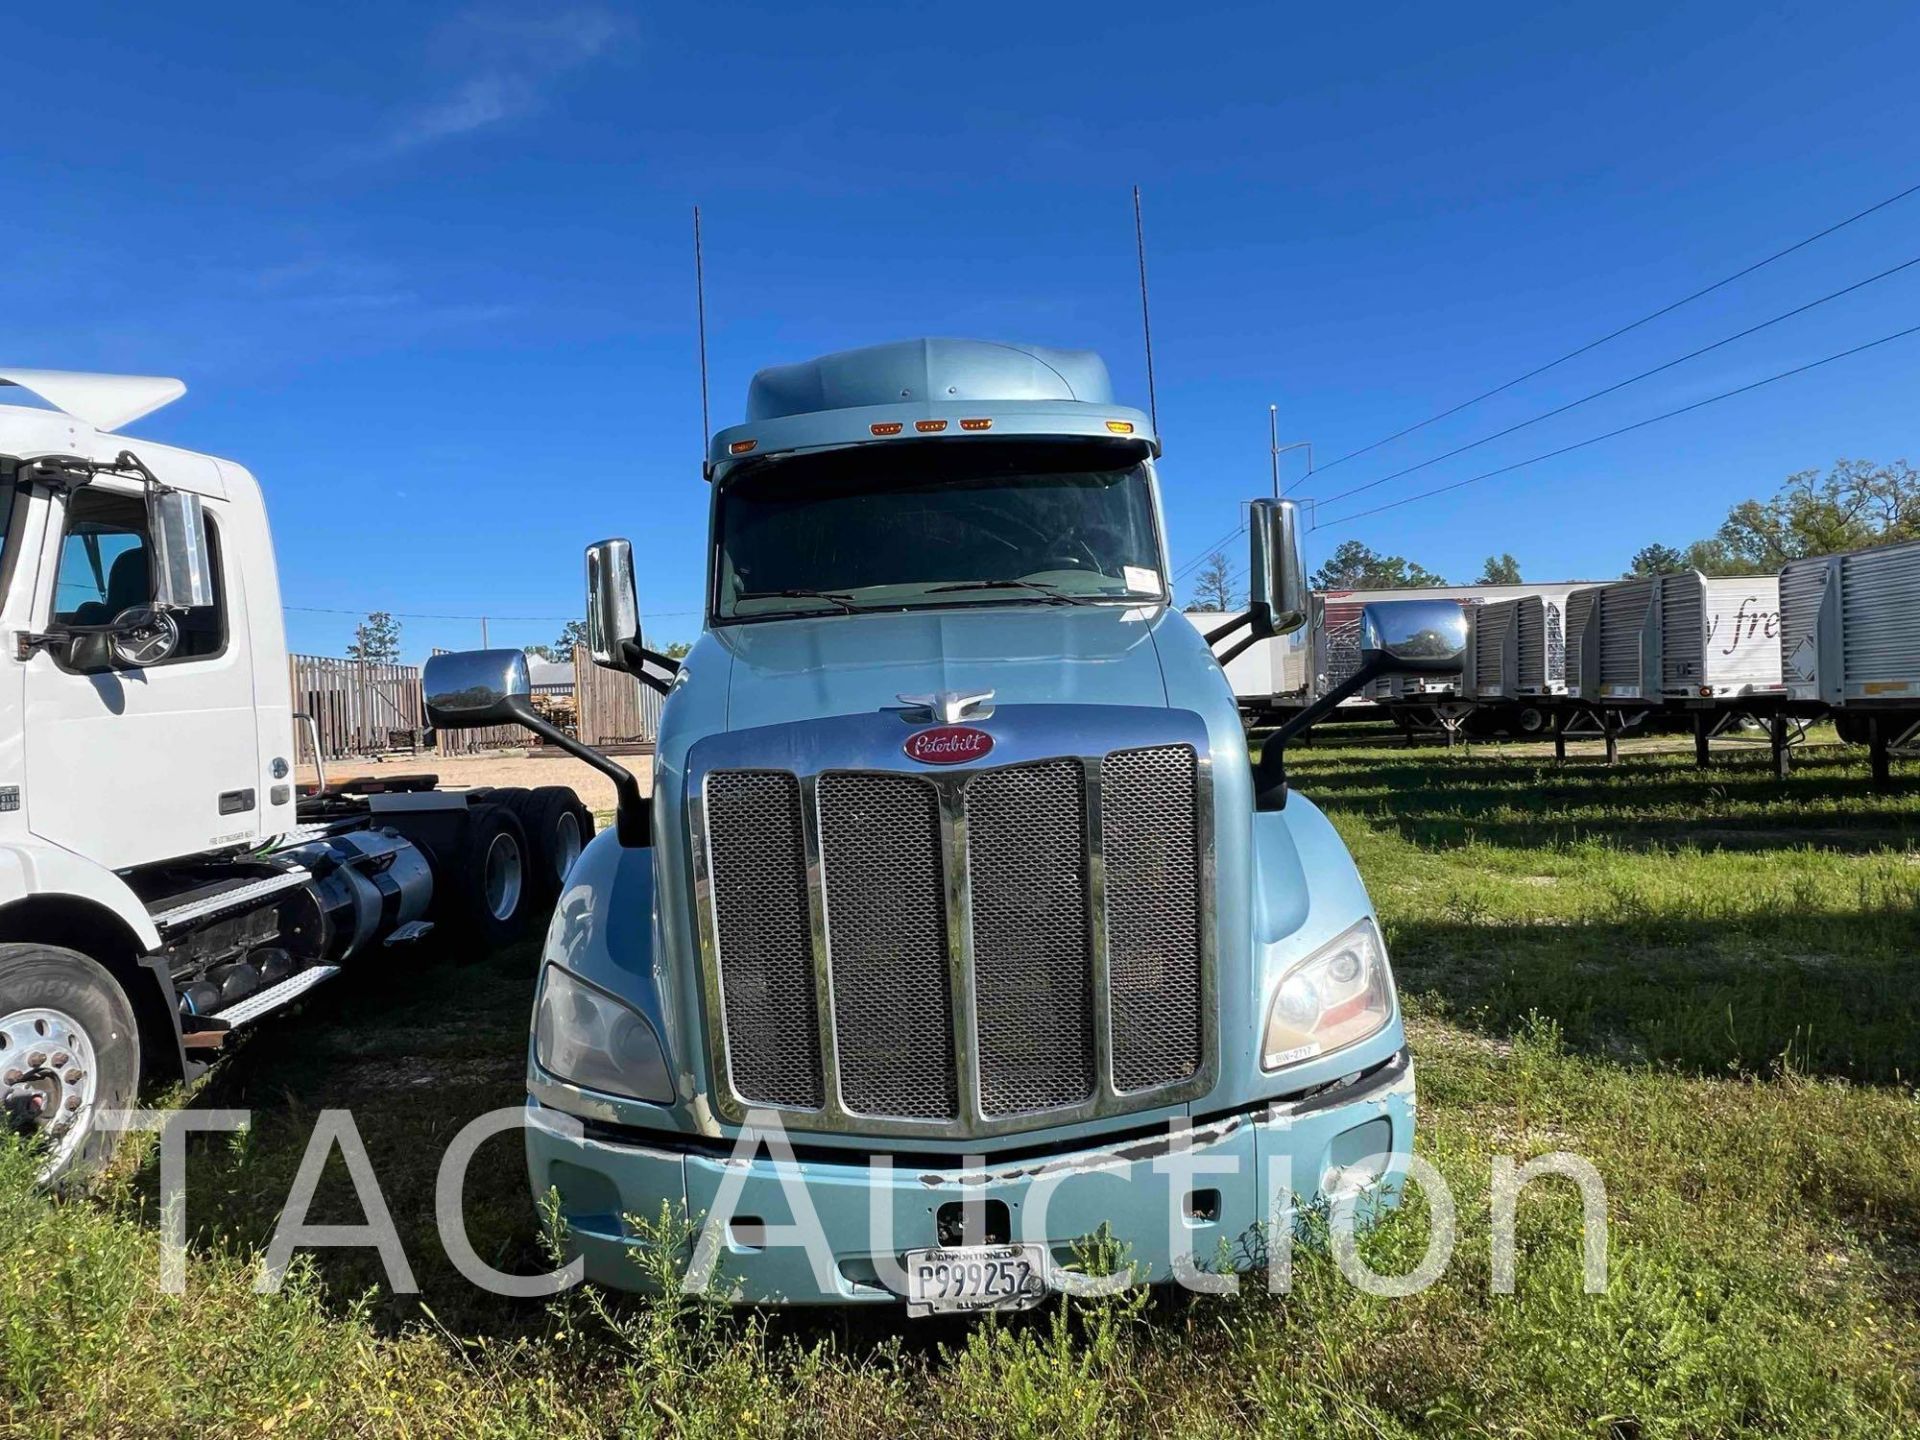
[{"x": 976, "y": 1277}]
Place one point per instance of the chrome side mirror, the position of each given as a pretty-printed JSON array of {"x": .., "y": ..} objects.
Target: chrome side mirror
[
  {"x": 613, "y": 606},
  {"x": 1413, "y": 637},
  {"x": 466, "y": 689},
  {"x": 182, "y": 563},
  {"x": 1276, "y": 571}
]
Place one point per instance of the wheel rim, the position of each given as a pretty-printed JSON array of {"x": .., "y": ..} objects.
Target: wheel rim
[
  {"x": 502, "y": 877},
  {"x": 50, "y": 1079},
  {"x": 1532, "y": 721},
  {"x": 566, "y": 844}
]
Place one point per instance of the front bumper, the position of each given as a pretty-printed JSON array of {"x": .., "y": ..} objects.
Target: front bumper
[{"x": 1204, "y": 1193}]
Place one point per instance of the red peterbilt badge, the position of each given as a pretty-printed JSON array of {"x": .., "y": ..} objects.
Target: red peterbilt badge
[{"x": 948, "y": 744}]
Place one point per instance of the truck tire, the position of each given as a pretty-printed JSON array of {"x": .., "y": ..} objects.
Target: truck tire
[
  {"x": 490, "y": 906},
  {"x": 558, "y": 828},
  {"x": 69, "y": 1048}
]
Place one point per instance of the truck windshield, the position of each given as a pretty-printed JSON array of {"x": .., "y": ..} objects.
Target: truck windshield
[{"x": 911, "y": 525}]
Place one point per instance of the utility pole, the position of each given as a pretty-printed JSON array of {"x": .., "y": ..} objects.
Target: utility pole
[
  {"x": 1275, "y": 449},
  {"x": 1273, "y": 445}
]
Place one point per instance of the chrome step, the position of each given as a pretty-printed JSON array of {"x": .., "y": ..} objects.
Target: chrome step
[
  {"x": 240, "y": 898},
  {"x": 409, "y": 932},
  {"x": 265, "y": 1001}
]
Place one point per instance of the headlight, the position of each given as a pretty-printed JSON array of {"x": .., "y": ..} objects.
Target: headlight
[
  {"x": 1341, "y": 993},
  {"x": 585, "y": 1036}
]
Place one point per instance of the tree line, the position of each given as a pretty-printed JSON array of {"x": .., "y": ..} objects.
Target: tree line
[
  {"x": 1855, "y": 504},
  {"x": 376, "y": 640}
]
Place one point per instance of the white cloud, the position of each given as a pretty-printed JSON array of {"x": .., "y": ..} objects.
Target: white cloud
[{"x": 511, "y": 63}]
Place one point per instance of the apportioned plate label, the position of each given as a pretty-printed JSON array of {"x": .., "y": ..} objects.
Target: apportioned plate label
[{"x": 948, "y": 745}]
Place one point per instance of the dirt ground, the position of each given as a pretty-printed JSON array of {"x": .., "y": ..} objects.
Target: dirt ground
[{"x": 527, "y": 768}]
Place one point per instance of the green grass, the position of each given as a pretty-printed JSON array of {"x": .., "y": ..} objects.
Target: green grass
[{"x": 1699, "y": 980}]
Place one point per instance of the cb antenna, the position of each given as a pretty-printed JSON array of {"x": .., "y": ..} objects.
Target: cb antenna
[
  {"x": 1146, "y": 322},
  {"x": 700, "y": 301}
]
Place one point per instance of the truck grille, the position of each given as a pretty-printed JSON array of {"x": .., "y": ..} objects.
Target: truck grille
[
  {"x": 887, "y": 914},
  {"x": 1071, "y": 890},
  {"x": 759, "y": 871},
  {"x": 1153, "y": 915},
  {"x": 1032, "y": 940}
]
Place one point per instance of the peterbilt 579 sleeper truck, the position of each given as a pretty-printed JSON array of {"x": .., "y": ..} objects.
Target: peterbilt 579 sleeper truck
[
  {"x": 161, "y": 882},
  {"x": 954, "y": 861}
]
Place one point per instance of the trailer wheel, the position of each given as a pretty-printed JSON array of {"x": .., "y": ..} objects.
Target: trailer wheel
[
  {"x": 1531, "y": 720},
  {"x": 490, "y": 902},
  {"x": 69, "y": 1048},
  {"x": 558, "y": 828}
]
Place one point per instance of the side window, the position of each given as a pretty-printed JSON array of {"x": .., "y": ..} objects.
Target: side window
[{"x": 104, "y": 569}]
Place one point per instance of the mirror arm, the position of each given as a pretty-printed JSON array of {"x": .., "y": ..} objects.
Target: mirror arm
[
  {"x": 633, "y": 816},
  {"x": 1270, "y": 772},
  {"x": 636, "y": 657},
  {"x": 1257, "y": 621}
]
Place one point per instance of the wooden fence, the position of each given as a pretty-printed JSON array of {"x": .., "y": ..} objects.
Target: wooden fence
[
  {"x": 364, "y": 709},
  {"x": 359, "y": 708},
  {"x": 615, "y": 708}
]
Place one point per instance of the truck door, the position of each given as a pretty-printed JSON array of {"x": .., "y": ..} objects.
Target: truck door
[{"x": 132, "y": 766}]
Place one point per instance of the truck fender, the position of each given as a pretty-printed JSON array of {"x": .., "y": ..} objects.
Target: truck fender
[{"x": 51, "y": 895}]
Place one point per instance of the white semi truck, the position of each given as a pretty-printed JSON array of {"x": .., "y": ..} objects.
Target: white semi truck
[{"x": 162, "y": 883}]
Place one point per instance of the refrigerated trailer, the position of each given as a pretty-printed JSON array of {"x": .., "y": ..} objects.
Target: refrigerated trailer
[
  {"x": 1850, "y": 640},
  {"x": 1719, "y": 636},
  {"x": 1613, "y": 643},
  {"x": 1335, "y": 632},
  {"x": 1516, "y": 647},
  {"x": 1683, "y": 637}
]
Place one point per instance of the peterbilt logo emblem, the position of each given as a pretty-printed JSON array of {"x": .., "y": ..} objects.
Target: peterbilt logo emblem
[{"x": 948, "y": 745}]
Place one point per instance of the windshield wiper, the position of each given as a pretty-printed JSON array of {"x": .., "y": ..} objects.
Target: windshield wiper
[
  {"x": 1053, "y": 593},
  {"x": 832, "y": 597}
]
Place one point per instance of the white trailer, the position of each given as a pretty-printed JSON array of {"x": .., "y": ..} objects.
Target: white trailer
[
  {"x": 1613, "y": 643},
  {"x": 1719, "y": 636},
  {"x": 1269, "y": 677},
  {"x": 161, "y": 882},
  {"x": 1684, "y": 636},
  {"x": 1850, "y": 640},
  {"x": 1850, "y": 632}
]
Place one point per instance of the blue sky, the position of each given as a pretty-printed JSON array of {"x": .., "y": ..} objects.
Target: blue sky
[{"x": 426, "y": 268}]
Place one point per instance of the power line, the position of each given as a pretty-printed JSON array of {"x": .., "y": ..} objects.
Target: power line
[
  {"x": 1207, "y": 553},
  {"x": 1635, "y": 325},
  {"x": 1624, "y": 429},
  {"x": 1630, "y": 380}
]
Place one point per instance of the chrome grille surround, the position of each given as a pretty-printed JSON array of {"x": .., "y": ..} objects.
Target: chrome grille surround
[{"x": 824, "y": 756}]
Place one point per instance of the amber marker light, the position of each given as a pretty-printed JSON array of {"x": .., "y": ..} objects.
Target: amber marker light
[
  {"x": 741, "y": 447},
  {"x": 886, "y": 427},
  {"x": 976, "y": 424},
  {"x": 929, "y": 427},
  {"x": 1120, "y": 427}
]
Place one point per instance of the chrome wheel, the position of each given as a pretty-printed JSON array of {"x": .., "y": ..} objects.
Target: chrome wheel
[
  {"x": 502, "y": 877},
  {"x": 49, "y": 1081},
  {"x": 566, "y": 844}
]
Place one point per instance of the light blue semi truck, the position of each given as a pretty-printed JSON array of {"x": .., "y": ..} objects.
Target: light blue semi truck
[{"x": 958, "y": 928}]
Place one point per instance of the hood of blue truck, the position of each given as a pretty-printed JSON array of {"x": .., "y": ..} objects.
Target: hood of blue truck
[{"x": 1026, "y": 654}]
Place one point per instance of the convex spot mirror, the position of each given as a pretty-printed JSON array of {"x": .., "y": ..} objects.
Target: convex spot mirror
[
  {"x": 182, "y": 564},
  {"x": 1276, "y": 571},
  {"x": 466, "y": 689},
  {"x": 1414, "y": 637},
  {"x": 613, "y": 607}
]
